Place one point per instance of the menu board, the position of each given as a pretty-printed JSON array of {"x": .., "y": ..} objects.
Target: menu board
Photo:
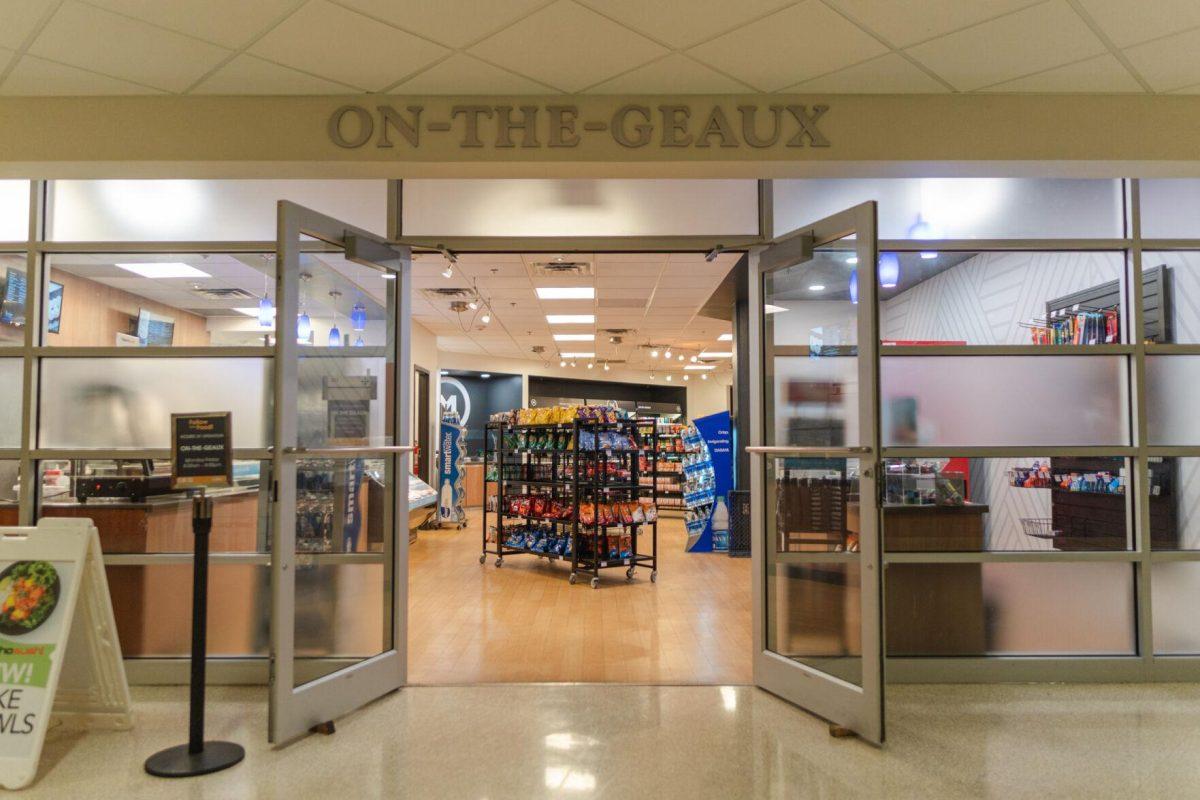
[{"x": 201, "y": 450}]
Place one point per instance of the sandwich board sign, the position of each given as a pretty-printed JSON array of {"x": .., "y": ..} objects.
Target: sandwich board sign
[{"x": 58, "y": 641}]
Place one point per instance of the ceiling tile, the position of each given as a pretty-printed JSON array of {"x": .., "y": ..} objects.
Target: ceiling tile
[
  {"x": 455, "y": 23},
  {"x": 1032, "y": 40},
  {"x": 231, "y": 23},
  {"x": 249, "y": 75},
  {"x": 889, "y": 74},
  {"x": 1128, "y": 23},
  {"x": 1169, "y": 63},
  {"x": 683, "y": 23},
  {"x": 568, "y": 46},
  {"x": 21, "y": 17},
  {"x": 37, "y": 76},
  {"x": 675, "y": 74},
  {"x": 1100, "y": 74},
  {"x": 792, "y": 45},
  {"x": 342, "y": 45},
  {"x": 91, "y": 38},
  {"x": 463, "y": 74},
  {"x": 906, "y": 23}
]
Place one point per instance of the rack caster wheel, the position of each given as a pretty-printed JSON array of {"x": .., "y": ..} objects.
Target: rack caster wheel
[
  {"x": 595, "y": 583},
  {"x": 499, "y": 561},
  {"x": 654, "y": 576},
  {"x": 629, "y": 574},
  {"x": 482, "y": 559},
  {"x": 571, "y": 579}
]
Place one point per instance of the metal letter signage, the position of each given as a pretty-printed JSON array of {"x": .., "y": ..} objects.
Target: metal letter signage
[{"x": 673, "y": 125}]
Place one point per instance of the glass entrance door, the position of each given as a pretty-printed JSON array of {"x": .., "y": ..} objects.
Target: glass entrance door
[
  {"x": 817, "y": 573},
  {"x": 341, "y": 463}
]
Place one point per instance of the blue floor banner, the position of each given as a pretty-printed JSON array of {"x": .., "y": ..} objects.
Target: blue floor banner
[{"x": 708, "y": 477}]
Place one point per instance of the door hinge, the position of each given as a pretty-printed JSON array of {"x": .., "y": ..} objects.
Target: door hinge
[{"x": 274, "y": 491}]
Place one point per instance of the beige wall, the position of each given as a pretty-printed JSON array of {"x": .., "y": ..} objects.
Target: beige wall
[{"x": 94, "y": 313}]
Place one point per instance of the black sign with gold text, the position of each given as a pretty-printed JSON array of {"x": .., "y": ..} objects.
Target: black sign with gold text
[{"x": 201, "y": 450}]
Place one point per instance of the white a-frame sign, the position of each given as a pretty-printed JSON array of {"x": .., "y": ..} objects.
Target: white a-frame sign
[{"x": 58, "y": 641}]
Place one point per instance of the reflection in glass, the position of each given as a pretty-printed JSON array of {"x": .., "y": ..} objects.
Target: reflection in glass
[
  {"x": 136, "y": 511},
  {"x": 1004, "y": 400},
  {"x": 815, "y": 503},
  {"x": 998, "y": 504},
  {"x": 14, "y": 211},
  {"x": 1175, "y": 598},
  {"x": 10, "y": 479},
  {"x": 1174, "y": 503},
  {"x": 1003, "y": 298},
  {"x": 14, "y": 294},
  {"x": 814, "y": 616},
  {"x": 128, "y": 402},
  {"x": 1171, "y": 417},
  {"x": 160, "y": 300},
  {"x": 1010, "y": 609},
  {"x": 12, "y": 381}
]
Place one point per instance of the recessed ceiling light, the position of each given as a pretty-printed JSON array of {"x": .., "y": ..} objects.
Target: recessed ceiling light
[
  {"x": 817, "y": 287},
  {"x": 562, "y": 363},
  {"x": 725, "y": 337},
  {"x": 485, "y": 374},
  {"x": 571, "y": 319},
  {"x": 578, "y": 355},
  {"x": 164, "y": 269},
  {"x": 770, "y": 309},
  {"x": 703, "y": 376},
  {"x": 574, "y": 337},
  {"x": 654, "y": 354},
  {"x": 700, "y": 367},
  {"x": 668, "y": 377},
  {"x": 716, "y": 354},
  {"x": 565, "y": 293},
  {"x": 685, "y": 377}
]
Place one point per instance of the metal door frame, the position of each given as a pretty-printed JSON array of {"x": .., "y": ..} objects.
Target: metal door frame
[
  {"x": 294, "y": 710},
  {"x": 844, "y": 704}
]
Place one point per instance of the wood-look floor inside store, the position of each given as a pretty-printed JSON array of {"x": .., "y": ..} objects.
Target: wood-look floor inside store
[{"x": 523, "y": 622}]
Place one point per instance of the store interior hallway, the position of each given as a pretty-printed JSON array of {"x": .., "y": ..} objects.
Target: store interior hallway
[
  {"x": 498, "y": 742},
  {"x": 523, "y": 622}
]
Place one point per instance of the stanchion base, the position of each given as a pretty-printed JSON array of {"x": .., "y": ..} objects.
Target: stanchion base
[{"x": 177, "y": 762}]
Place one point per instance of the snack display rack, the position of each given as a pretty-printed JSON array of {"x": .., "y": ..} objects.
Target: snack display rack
[
  {"x": 572, "y": 492},
  {"x": 663, "y": 462}
]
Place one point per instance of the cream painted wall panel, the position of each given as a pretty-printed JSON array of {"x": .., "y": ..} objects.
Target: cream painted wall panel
[
  {"x": 580, "y": 207},
  {"x": 204, "y": 210},
  {"x": 14, "y": 211}
]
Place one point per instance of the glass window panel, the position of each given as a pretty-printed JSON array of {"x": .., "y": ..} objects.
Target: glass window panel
[
  {"x": 128, "y": 402},
  {"x": 14, "y": 294},
  {"x": 160, "y": 300},
  {"x": 1171, "y": 383},
  {"x": 612, "y": 207},
  {"x": 10, "y": 478},
  {"x": 1010, "y": 609},
  {"x": 1175, "y": 595},
  {"x": 1002, "y": 298},
  {"x": 1004, "y": 400},
  {"x": 1006, "y": 504},
  {"x": 1175, "y": 503},
  {"x": 1172, "y": 297},
  {"x": 133, "y": 507},
  {"x": 1170, "y": 208},
  {"x": 12, "y": 381},
  {"x": 14, "y": 211},
  {"x": 961, "y": 208},
  {"x": 203, "y": 210}
]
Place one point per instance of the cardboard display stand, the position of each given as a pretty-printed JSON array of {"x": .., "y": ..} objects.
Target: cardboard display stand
[
  {"x": 58, "y": 641},
  {"x": 451, "y": 492}
]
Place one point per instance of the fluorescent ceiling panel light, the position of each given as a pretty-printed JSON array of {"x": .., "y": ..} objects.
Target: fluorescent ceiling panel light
[
  {"x": 164, "y": 269},
  {"x": 249, "y": 312},
  {"x": 716, "y": 354},
  {"x": 770, "y": 309},
  {"x": 578, "y": 355},
  {"x": 725, "y": 337},
  {"x": 571, "y": 319},
  {"x": 701, "y": 367},
  {"x": 574, "y": 337},
  {"x": 566, "y": 293}
]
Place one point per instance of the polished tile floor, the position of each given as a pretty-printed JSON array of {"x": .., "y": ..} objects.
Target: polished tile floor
[
  {"x": 472, "y": 623},
  {"x": 538, "y": 741}
]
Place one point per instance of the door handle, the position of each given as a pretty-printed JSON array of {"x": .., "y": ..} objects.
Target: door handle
[{"x": 828, "y": 452}]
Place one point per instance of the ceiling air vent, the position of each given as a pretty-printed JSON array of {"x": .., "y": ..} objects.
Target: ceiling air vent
[
  {"x": 217, "y": 293},
  {"x": 447, "y": 293},
  {"x": 559, "y": 268}
]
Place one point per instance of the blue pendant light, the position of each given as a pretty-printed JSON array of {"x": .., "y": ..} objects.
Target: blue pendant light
[
  {"x": 889, "y": 270},
  {"x": 266, "y": 313},
  {"x": 303, "y": 328},
  {"x": 359, "y": 342},
  {"x": 854, "y": 286},
  {"x": 358, "y": 317},
  {"x": 335, "y": 336},
  {"x": 921, "y": 229}
]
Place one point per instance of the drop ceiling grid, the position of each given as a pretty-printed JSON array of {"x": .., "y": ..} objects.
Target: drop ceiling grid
[{"x": 132, "y": 46}]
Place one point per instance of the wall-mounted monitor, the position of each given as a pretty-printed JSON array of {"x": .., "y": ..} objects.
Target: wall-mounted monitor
[
  {"x": 12, "y": 302},
  {"x": 155, "y": 330},
  {"x": 54, "y": 306}
]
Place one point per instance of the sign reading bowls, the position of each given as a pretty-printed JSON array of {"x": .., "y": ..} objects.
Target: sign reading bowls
[{"x": 201, "y": 451}]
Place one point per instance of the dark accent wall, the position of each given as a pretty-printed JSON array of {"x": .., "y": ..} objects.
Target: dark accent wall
[{"x": 599, "y": 391}]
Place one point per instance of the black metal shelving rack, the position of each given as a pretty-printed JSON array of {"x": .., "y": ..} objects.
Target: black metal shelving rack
[
  {"x": 568, "y": 481},
  {"x": 659, "y": 457}
]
